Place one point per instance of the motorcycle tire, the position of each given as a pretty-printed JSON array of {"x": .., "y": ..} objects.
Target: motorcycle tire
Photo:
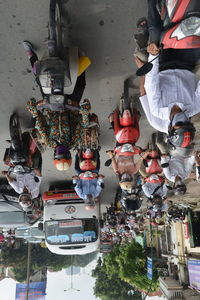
[
  {"x": 126, "y": 102},
  {"x": 55, "y": 26},
  {"x": 15, "y": 133}
]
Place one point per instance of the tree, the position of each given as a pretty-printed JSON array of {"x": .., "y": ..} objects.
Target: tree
[
  {"x": 126, "y": 264},
  {"x": 110, "y": 286}
]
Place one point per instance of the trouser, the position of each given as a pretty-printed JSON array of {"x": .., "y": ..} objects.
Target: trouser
[
  {"x": 79, "y": 86},
  {"x": 77, "y": 163}
]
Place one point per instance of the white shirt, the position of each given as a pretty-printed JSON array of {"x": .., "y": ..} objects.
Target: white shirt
[
  {"x": 28, "y": 181},
  {"x": 166, "y": 89},
  {"x": 149, "y": 187},
  {"x": 181, "y": 167}
]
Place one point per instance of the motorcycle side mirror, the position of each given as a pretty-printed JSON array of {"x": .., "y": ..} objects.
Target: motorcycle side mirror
[
  {"x": 108, "y": 162},
  {"x": 145, "y": 163},
  {"x": 146, "y": 68}
]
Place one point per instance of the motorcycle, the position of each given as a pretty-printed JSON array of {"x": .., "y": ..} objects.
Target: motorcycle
[
  {"x": 24, "y": 150},
  {"x": 129, "y": 201},
  {"x": 176, "y": 214},
  {"x": 153, "y": 162},
  {"x": 126, "y": 127},
  {"x": 181, "y": 23},
  {"x": 59, "y": 69}
]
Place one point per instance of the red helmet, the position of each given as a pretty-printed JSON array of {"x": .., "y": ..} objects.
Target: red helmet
[
  {"x": 87, "y": 165},
  {"x": 127, "y": 118},
  {"x": 87, "y": 154}
]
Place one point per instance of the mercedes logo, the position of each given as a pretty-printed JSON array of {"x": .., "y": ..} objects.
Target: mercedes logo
[{"x": 70, "y": 209}]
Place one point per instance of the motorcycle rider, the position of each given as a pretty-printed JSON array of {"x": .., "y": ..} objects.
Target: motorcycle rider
[
  {"x": 155, "y": 185},
  {"x": 28, "y": 182},
  {"x": 88, "y": 190},
  {"x": 125, "y": 167},
  {"x": 169, "y": 109},
  {"x": 178, "y": 169},
  {"x": 31, "y": 206},
  {"x": 60, "y": 130}
]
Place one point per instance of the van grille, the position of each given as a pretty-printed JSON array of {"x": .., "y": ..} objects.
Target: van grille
[
  {"x": 72, "y": 247},
  {"x": 69, "y": 201}
]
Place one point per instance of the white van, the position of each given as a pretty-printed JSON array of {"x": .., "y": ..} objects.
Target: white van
[{"x": 70, "y": 228}]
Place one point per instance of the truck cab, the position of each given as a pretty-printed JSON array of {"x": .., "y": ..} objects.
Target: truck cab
[{"x": 70, "y": 228}]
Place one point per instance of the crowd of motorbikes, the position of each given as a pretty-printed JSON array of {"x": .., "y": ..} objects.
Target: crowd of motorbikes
[{"x": 59, "y": 74}]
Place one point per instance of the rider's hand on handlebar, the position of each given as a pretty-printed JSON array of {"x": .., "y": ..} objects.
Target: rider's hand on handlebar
[
  {"x": 153, "y": 49},
  {"x": 75, "y": 177},
  {"x": 101, "y": 176}
]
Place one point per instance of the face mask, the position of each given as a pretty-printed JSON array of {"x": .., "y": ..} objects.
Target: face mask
[{"x": 179, "y": 117}]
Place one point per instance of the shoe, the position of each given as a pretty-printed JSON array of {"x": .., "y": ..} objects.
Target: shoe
[{"x": 27, "y": 46}]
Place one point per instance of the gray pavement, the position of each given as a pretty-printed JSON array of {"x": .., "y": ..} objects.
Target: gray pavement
[{"x": 103, "y": 30}]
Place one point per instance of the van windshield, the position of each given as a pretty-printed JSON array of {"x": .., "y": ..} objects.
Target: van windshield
[{"x": 64, "y": 232}]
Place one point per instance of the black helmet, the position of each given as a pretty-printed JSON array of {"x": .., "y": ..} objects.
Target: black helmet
[{"x": 183, "y": 136}]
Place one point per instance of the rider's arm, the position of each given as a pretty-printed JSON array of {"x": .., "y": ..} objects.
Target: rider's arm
[
  {"x": 157, "y": 123},
  {"x": 155, "y": 25},
  {"x": 168, "y": 171},
  {"x": 152, "y": 87},
  {"x": 114, "y": 165},
  {"x": 9, "y": 178}
]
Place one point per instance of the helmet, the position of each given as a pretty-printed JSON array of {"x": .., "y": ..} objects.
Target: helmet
[
  {"x": 183, "y": 136},
  {"x": 127, "y": 118},
  {"x": 25, "y": 201},
  {"x": 62, "y": 158},
  {"x": 87, "y": 165},
  {"x": 87, "y": 154},
  {"x": 126, "y": 186}
]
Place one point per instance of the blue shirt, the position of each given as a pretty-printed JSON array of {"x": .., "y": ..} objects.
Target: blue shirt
[{"x": 88, "y": 187}]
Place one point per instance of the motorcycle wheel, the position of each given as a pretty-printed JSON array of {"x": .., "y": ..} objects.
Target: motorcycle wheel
[
  {"x": 55, "y": 26},
  {"x": 15, "y": 132}
]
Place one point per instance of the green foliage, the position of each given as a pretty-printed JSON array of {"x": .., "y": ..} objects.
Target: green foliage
[
  {"x": 109, "y": 286},
  {"x": 123, "y": 269}
]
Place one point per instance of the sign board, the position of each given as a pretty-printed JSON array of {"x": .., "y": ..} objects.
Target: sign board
[
  {"x": 194, "y": 273},
  {"x": 149, "y": 268},
  {"x": 37, "y": 290}
]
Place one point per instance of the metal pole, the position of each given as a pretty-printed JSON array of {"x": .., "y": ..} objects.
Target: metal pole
[{"x": 28, "y": 269}]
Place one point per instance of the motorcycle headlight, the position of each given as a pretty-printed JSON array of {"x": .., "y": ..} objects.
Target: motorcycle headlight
[
  {"x": 191, "y": 26},
  {"x": 50, "y": 202},
  {"x": 188, "y": 27},
  {"x": 56, "y": 99}
]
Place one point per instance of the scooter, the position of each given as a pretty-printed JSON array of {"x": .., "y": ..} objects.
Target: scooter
[
  {"x": 59, "y": 69},
  {"x": 23, "y": 150},
  {"x": 153, "y": 162},
  {"x": 126, "y": 126},
  {"x": 181, "y": 23}
]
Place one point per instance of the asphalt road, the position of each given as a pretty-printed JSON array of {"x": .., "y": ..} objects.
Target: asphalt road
[{"x": 103, "y": 29}]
